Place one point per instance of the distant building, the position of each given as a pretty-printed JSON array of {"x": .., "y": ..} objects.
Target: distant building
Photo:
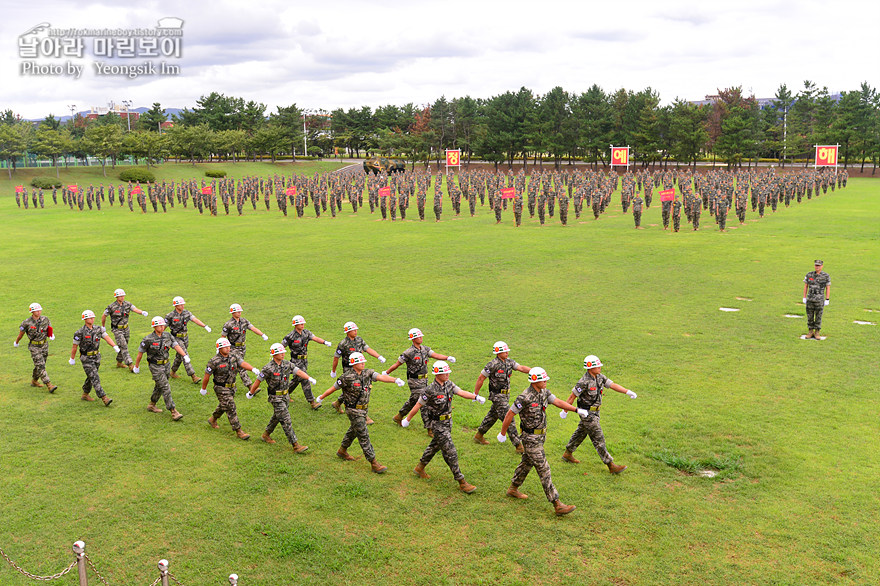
[
  {"x": 762, "y": 102},
  {"x": 121, "y": 111}
]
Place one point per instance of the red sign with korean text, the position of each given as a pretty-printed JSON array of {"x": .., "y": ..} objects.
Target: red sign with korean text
[
  {"x": 72, "y": 188},
  {"x": 384, "y": 191},
  {"x": 291, "y": 191},
  {"x": 826, "y": 156},
  {"x": 508, "y": 193},
  {"x": 206, "y": 191},
  {"x": 667, "y": 195},
  {"x": 19, "y": 189},
  {"x": 136, "y": 190},
  {"x": 453, "y": 157},
  {"x": 619, "y": 156}
]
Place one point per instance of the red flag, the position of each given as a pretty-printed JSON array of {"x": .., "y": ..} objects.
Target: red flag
[
  {"x": 72, "y": 188},
  {"x": 136, "y": 190},
  {"x": 667, "y": 195},
  {"x": 291, "y": 191},
  {"x": 508, "y": 193},
  {"x": 384, "y": 191},
  {"x": 19, "y": 189},
  {"x": 206, "y": 190},
  {"x": 619, "y": 156},
  {"x": 453, "y": 157},
  {"x": 826, "y": 156}
]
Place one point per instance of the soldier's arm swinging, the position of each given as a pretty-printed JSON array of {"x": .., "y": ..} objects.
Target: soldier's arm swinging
[
  {"x": 805, "y": 290},
  {"x": 198, "y": 322},
  {"x": 136, "y": 310},
  {"x": 371, "y": 352},
  {"x": 319, "y": 340},
  {"x": 479, "y": 384},
  {"x": 254, "y": 329},
  {"x": 137, "y": 361},
  {"x": 387, "y": 379},
  {"x": 179, "y": 350},
  {"x": 255, "y": 386},
  {"x": 571, "y": 398},
  {"x": 393, "y": 367},
  {"x": 618, "y": 388},
  {"x": 466, "y": 394},
  {"x": 326, "y": 393},
  {"x": 104, "y": 315},
  {"x": 563, "y": 405},
  {"x": 73, "y": 352},
  {"x": 508, "y": 419},
  {"x": 436, "y": 356},
  {"x": 828, "y": 292},
  {"x": 524, "y": 369},
  {"x": 20, "y": 334},
  {"x": 413, "y": 411},
  {"x": 109, "y": 340},
  {"x": 335, "y": 362},
  {"x": 206, "y": 378}
]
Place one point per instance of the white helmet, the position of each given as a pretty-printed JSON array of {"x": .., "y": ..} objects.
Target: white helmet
[
  {"x": 500, "y": 347},
  {"x": 276, "y": 348},
  {"x": 119, "y": 293},
  {"x": 538, "y": 374},
  {"x": 158, "y": 321},
  {"x": 177, "y": 301},
  {"x": 356, "y": 358},
  {"x": 349, "y": 326},
  {"x": 35, "y": 307},
  {"x": 441, "y": 367},
  {"x": 592, "y": 361},
  {"x": 415, "y": 333},
  {"x": 298, "y": 320},
  {"x": 223, "y": 343},
  {"x": 88, "y": 314},
  {"x": 235, "y": 307}
]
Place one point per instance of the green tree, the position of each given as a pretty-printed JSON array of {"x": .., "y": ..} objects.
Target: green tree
[
  {"x": 104, "y": 141},
  {"x": 49, "y": 142},
  {"x": 152, "y": 119},
  {"x": 687, "y": 130},
  {"x": 13, "y": 143}
]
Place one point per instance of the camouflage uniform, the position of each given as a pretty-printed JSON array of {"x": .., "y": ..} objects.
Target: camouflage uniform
[
  {"x": 637, "y": 210},
  {"x": 277, "y": 377},
  {"x": 346, "y": 347},
  {"x": 531, "y": 406},
  {"x": 498, "y": 372},
  {"x": 119, "y": 313},
  {"x": 299, "y": 352},
  {"x": 589, "y": 391},
  {"x": 436, "y": 402},
  {"x": 816, "y": 284},
  {"x": 89, "y": 341},
  {"x": 356, "y": 389},
  {"x": 156, "y": 347},
  {"x": 37, "y": 331},
  {"x": 224, "y": 370},
  {"x": 416, "y": 361},
  {"x": 236, "y": 331},
  {"x": 676, "y": 215},
  {"x": 177, "y": 323}
]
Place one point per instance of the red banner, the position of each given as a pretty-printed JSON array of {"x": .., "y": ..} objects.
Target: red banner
[
  {"x": 19, "y": 189},
  {"x": 206, "y": 190},
  {"x": 384, "y": 191},
  {"x": 72, "y": 188},
  {"x": 508, "y": 193},
  {"x": 291, "y": 191},
  {"x": 453, "y": 157},
  {"x": 667, "y": 195},
  {"x": 136, "y": 190},
  {"x": 619, "y": 156},
  {"x": 826, "y": 156}
]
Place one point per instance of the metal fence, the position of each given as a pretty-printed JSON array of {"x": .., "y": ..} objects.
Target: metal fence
[{"x": 83, "y": 564}]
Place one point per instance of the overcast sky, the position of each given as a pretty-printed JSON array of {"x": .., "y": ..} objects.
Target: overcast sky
[{"x": 342, "y": 53}]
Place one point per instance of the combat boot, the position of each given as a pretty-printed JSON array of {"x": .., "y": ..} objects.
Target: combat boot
[
  {"x": 369, "y": 420},
  {"x": 377, "y": 467},
  {"x": 87, "y": 397},
  {"x": 241, "y": 434},
  {"x": 196, "y": 380},
  {"x": 343, "y": 453},
  {"x": 174, "y": 374},
  {"x": 568, "y": 457},
  {"x": 315, "y": 405},
  {"x": 212, "y": 421},
  {"x": 479, "y": 439},
  {"x": 339, "y": 408},
  {"x": 430, "y": 432},
  {"x": 267, "y": 438},
  {"x": 298, "y": 448},
  {"x": 153, "y": 409},
  {"x": 562, "y": 509},
  {"x": 176, "y": 415},
  {"x": 465, "y": 487},
  {"x": 514, "y": 492},
  {"x": 616, "y": 468},
  {"x": 107, "y": 400},
  {"x": 420, "y": 471},
  {"x": 519, "y": 449},
  {"x": 53, "y": 388},
  {"x": 122, "y": 365},
  {"x": 36, "y": 383},
  {"x": 397, "y": 419}
]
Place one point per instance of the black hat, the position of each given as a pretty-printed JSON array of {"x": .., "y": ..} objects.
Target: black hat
[{"x": 818, "y": 262}]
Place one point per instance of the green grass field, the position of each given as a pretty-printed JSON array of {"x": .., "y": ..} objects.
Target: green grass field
[{"x": 790, "y": 425}]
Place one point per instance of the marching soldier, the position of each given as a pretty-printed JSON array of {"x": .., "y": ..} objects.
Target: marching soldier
[
  {"x": 156, "y": 345},
  {"x": 498, "y": 371},
  {"x": 88, "y": 338},
  {"x": 351, "y": 343},
  {"x": 224, "y": 367},
  {"x": 637, "y": 211},
  {"x": 435, "y": 403},
  {"x": 588, "y": 391},
  {"x": 38, "y": 329},
  {"x": 676, "y": 214},
  {"x": 277, "y": 375},
  {"x": 531, "y": 406},
  {"x": 817, "y": 294},
  {"x": 177, "y": 321},
  {"x": 235, "y": 331},
  {"x": 298, "y": 342},
  {"x": 356, "y": 384},
  {"x": 119, "y": 311}
]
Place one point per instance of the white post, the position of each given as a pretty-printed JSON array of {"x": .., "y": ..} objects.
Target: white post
[
  {"x": 79, "y": 548},
  {"x": 233, "y": 579},
  {"x": 163, "y": 572}
]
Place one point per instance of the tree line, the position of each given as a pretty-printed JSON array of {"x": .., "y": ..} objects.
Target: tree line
[{"x": 510, "y": 127}]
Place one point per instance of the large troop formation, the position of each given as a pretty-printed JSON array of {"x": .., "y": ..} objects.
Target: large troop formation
[
  {"x": 541, "y": 193},
  {"x": 431, "y": 390}
]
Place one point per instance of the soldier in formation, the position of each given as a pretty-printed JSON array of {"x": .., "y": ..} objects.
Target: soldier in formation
[
  {"x": 88, "y": 340},
  {"x": 177, "y": 320},
  {"x": 156, "y": 346},
  {"x": 118, "y": 311},
  {"x": 38, "y": 330}
]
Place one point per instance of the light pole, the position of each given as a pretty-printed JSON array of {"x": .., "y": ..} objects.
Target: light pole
[
  {"x": 305, "y": 135},
  {"x": 127, "y": 103},
  {"x": 71, "y": 107}
]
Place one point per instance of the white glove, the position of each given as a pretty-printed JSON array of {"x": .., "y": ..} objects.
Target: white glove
[
  {"x": 203, "y": 391},
  {"x": 563, "y": 414},
  {"x": 451, "y": 360},
  {"x": 583, "y": 412},
  {"x": 328, "y": 344},
  {"x": 399, "y": 382},
  {"x": 804, "y": 300},
  {"x": 502, "y": 438},
  {"x": 480, "y": 399},
  {"x": 72, "y": 361},
  {"x": 313, "y": 381},
  {"x": 255, "y": 370},
  {"x": 15, "y": 345},
  {"x": 631, "y": 395},
  {"x": 145, "y": 314},
  {"x": 318, "y": 399},
  {"x": 186, "y": 359},
  {"x": 208, "y": 329},
  {"x": 247, "y": 394},
  {"x": 385, "y": 372},
  {"x": 265, "y": 337},
  {"x": 52, "y": 337},
  {"x": 135, "y": 369},
  {"x": 332, "y": 374},
  {"x": 116, "y": 349},
  {"x": 827, "y": 301},
  {"x": 381, "y": 359},
  {"x": 404, "y": 422}
]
